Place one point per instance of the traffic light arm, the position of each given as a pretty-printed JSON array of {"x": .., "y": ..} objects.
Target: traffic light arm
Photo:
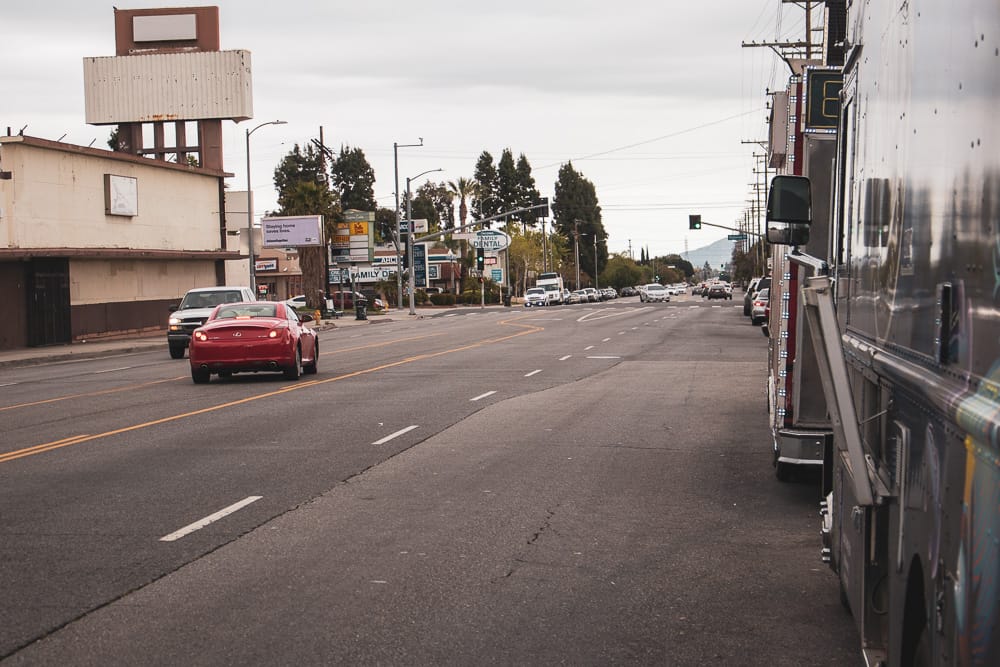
[
  {"x": 732, "y": 229},
  {"x": 498, "y": 216}
]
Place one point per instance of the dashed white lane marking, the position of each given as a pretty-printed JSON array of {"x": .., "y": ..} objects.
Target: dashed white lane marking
[
  {"x": 210, "y": 519},
  {"x": 589, "y": 347},
  {"x": 534, "y": 372},
  {"x": 395, "y": 435},
  {"x": 605, "y": 340},
  {"x": 482, "y": 396},
  {"x": 565, "y": 357},
  {"x": 112, "y": 370},
  {"x": 602, "y": 357}
]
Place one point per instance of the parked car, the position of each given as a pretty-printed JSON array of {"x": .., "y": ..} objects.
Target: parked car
[
  {"x": 653, "y": 292},
  {"x": 578, "y": 296},
  {"x": 719, "y": 291},
  {"x": 252, "y": 337},
  {"x": 194, "y": 309},
  {"x": 535, "y": 296},
  {"x": 592, "y": 295},
  {"x": 345, "y": 300},
  {"x": 759, "y": 309},
  {"x": 629, "y": 291},
  {"x": 296, "y": 301},
  {"x": 755, "y": 286}
]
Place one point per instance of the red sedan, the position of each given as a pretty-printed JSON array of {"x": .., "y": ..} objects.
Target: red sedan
[{"x": 252, "y": 337}]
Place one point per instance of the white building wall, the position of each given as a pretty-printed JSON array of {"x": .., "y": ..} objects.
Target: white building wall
[
  {"x": 94, "y": 281},
  {"x": 56, "y": 200}
]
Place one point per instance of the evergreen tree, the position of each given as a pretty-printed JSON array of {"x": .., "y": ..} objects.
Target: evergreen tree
[
  {"x": 353, "y": 180},
  {"x": 527, "y": 193},
  {"x": 506, "y": 191},
  {"x": 484, "y": 198},
  {"x": 576, "y": 210}
]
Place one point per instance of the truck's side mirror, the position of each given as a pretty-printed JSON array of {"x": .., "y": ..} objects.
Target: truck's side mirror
[{"x": 789, "y": 210}]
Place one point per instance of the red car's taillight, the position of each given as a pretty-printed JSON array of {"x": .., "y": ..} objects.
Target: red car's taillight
[
  {"x": 278, "y": 330},
  {"x": 200, "y": 335}
]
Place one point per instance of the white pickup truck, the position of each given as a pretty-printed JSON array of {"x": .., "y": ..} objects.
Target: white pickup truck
[{"x": 194, "y": 309}]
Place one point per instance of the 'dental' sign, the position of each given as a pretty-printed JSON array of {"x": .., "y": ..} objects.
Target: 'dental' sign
[{"x": 489, "y": 239}]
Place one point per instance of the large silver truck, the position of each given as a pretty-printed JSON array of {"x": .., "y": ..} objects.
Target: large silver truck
[{"x": 904, "y": 315}]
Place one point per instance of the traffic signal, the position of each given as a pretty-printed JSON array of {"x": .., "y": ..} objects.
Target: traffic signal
[
  {"x": 694, "y": 222},
  {"x": 480, "y": 259},
  {"x": 544, "y": 212}
]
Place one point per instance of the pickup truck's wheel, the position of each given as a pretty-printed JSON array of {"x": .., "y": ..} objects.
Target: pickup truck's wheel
[{"x": 176, "y": 351}]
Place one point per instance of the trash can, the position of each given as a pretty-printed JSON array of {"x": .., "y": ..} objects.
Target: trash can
[
  {"x": 360, "y": 308},
  {"x": 506, "y": 300}
]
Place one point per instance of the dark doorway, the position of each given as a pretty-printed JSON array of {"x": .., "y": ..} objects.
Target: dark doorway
[{"x": 48, "y": 302}]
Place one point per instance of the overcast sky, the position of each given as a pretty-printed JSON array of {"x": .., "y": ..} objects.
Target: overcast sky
[{"x": 651, "y": 100}]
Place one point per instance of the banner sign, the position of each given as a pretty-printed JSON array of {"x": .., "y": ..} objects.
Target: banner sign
[{"x": 294, "y": 231}]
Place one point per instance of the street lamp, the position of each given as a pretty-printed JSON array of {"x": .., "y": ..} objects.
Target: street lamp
[
  {"x": 409, "y": 237},
  {"x": 399, "y": 257},
  {"x": 253, "y": 271},
  {"x": 451, "y": 263}
]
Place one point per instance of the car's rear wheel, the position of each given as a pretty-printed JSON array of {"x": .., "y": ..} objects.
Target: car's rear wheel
[
  {"x": 295, "y": 371},
  {"x": 176, "y": 351},
  {"x": 200, "y": 375},
  {"x": 310, "y": 369}
]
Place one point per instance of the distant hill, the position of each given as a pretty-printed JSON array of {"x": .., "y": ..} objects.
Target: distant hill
[{"x": 717, "y": 254}]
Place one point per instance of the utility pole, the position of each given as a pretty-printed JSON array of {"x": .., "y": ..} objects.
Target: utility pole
[
  {"x": 576, "y": 247},
  {"x": 326, "y": 241},
  {"x": 596, "y": 284}
]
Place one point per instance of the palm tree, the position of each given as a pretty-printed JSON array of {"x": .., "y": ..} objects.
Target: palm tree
[{"x": 463, "y": 188}]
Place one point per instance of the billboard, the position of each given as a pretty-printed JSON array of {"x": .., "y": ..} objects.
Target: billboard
[{"x": 292, "y": 231}]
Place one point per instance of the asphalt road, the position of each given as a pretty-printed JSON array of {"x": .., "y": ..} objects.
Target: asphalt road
[{"x": 584, "y": 485}]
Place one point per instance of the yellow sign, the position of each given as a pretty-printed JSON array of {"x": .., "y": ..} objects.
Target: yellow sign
[
  {"x": 359, "y": 229},
  {"x": 346, "y": 240}
]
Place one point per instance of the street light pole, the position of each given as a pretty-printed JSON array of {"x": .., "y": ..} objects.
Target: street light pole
[
  {"x": 409, "y": 239},
  {"x": 451, "y": 265},
  {"x": 253, "y": 268},
  {"x": 399, "y": 257}
]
